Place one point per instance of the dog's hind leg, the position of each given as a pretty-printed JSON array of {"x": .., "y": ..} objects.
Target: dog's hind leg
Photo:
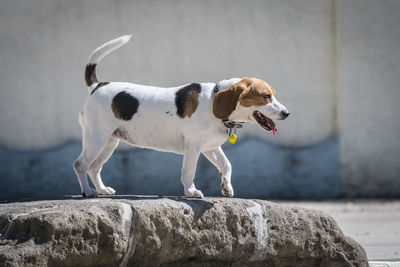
[
  {"x": 221, "y": 162},
  {"x": 92, "y": 145},
  {"x": 97, "y": 164}
]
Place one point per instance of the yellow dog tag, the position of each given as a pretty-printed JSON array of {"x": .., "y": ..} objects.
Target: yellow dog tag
[{"x": 232, "y": 138}]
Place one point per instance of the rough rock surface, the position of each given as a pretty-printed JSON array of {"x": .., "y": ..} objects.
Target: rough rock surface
[{"x": 153, "y": 231}]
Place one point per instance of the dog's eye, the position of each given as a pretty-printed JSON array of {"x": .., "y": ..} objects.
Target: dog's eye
[{"x": 267, "y": 96}]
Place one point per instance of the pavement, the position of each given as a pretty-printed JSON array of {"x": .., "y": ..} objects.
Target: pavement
[{"x": 375, "y": 224}]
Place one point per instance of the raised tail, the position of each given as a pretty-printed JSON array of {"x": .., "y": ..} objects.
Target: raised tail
[{"x": 98, "y": 54}]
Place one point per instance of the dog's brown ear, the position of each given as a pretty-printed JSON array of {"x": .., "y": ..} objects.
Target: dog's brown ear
[{"x": 227, "y": 100}]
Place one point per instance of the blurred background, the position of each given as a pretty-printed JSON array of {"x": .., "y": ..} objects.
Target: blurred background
[{"x": 334, "y": 63}]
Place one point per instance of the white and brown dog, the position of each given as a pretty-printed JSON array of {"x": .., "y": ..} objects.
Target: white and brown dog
[{"x": 189, "y": 119}]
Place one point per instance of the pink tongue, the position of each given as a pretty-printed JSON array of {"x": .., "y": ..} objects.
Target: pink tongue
[
  {"x": 272, "y": 125},
  {"x": 274, "y": 130}
]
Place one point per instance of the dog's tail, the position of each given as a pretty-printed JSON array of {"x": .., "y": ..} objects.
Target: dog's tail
[{"x": 98, "y": 54}]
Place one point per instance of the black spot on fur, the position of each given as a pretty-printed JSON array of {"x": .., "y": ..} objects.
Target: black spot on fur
[
  {"x": 90, "y": 74},
  {"x": 187, "y": 99},
  {"x": 124, "y": 106},
  {"x": 98, "y": 86}
]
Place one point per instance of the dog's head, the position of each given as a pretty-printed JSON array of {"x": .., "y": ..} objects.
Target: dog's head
[{"x": 249, "y": 100}]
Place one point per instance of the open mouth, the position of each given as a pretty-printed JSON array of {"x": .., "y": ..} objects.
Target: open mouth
[{"x": 265, "y": 122}]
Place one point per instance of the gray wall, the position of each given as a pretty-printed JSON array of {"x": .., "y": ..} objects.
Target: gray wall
[
  {"x": 369, "y": 97},
  {"x": 333, "y": 63}
]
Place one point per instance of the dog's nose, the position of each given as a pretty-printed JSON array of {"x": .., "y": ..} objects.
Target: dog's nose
[{"x": 285, "y": 114}]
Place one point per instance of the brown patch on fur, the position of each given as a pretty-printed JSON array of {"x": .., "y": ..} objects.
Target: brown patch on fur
[
  {"x": 98, "y": 86},
  {"x": 227, "y": 100},
  {"x": 90, "y": 74},
  {"x": 187, "y": 100},
  {"x": 257, "y": 90},
  {"x": 248, "y": 92},
  {"x": 191, "y": 105}
]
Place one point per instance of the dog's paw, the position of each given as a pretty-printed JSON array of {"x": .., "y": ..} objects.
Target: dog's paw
[
  {"x": 90, "y": 193},
  {"x": 194, "y": 193},
  {"x": 227, "y": 189},
  {"x": 106, "y": 191}
]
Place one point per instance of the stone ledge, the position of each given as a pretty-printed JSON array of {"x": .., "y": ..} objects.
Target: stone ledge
[{"x": 171, "y": 231}]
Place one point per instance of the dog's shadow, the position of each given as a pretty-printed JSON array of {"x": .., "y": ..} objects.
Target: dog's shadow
[{"x": 198, "y": 206}]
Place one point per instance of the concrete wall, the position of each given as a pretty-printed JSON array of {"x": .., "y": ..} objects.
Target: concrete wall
[
  {"x": 369, "y": 72},
  {"x": 46, "y": 44},
  {"x": 334, "y": 65},
  {"x": 308, "y": 172}
]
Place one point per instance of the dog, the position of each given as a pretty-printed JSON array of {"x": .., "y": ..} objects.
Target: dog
[{"x": 189, "y": 119}]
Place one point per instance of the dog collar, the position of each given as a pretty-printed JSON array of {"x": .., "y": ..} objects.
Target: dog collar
[
  {"x": 231, "y": 127},
  {"x": 216, "y": 88},
  {"x": 233, "y": 124}
]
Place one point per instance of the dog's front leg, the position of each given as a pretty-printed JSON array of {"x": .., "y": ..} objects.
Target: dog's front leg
[
  {"x": 190, "y": 157},
  {"x": 221, "y": 162}
]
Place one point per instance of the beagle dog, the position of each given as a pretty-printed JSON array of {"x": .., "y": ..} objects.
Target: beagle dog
[{"x": 189, "y": 119}]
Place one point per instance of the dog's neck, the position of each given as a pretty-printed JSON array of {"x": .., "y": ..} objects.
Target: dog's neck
[
  {"x": 229, "y": 124},
  {"x": 233, "y": 124},
  {"x": 224, "y": 84}
]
